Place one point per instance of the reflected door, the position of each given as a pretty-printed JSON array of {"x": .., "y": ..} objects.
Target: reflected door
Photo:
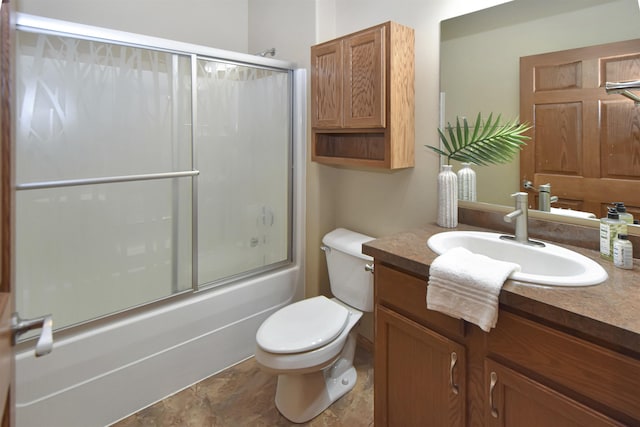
[{"x": 585, "y": 143}]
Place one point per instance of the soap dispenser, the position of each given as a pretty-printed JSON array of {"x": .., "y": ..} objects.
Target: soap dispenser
[
  {"x": 610, "y": 227},
  {"x": 623, "y": 252},
  {"x": 622, "y": 212}
]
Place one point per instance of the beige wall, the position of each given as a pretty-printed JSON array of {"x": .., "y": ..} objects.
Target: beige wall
[
  {"x": 374, "y": 203},
  {"x": 381, "y": 203},
  {"x": 216, "y": 23}
]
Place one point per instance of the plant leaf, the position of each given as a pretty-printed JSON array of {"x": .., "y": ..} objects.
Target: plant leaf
[{"x": 489, "y": 143}]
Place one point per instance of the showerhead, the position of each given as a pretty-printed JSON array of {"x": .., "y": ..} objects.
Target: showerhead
[{"x": 270, "y": 52}]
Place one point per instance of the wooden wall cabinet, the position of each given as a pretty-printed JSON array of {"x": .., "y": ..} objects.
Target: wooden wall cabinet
[
  {"x": 362, "y": 99},
  {"x": 522, "y": 373}
]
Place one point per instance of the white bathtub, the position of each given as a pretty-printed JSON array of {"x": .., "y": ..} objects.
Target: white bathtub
[{"x": 98, "y": 377}]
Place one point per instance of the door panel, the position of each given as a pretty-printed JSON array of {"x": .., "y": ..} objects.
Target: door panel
[
  {"x": 327, "y": 85},
  {"x": 585, "y": 143},
  {"x": 364, "y": 81},
  {"x": 420, "y": 375},
  {"x": 6, "y": 218}
]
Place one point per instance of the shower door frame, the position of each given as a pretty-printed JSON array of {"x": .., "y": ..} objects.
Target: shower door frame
[{"x": 41, "y": 25}]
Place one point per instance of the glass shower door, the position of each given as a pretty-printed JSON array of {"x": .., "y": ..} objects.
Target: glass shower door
[
  {"x": 108, "y": 138},
  {"x": 243, "y": 134},
  {"x": 100, "y": 226}
]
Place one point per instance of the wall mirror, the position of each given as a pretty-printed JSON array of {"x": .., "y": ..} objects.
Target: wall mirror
[{"x": 479, "y": 61}]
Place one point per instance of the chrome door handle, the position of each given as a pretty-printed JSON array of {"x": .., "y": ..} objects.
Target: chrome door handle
[{"x": 45, "y": 342}]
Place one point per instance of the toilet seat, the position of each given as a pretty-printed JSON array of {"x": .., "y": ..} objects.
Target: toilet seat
[
  {"x": 308, "y": 361},
  {"x": 303, "y": 326}
]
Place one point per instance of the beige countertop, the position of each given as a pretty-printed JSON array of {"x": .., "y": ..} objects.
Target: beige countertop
[{"x": 607, "y": 313}]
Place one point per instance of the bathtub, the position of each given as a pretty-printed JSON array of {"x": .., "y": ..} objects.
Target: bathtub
[{"x": 99, "y": 376}]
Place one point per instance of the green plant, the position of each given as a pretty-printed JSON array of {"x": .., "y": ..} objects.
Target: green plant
[{"x": 484, "y": 144}]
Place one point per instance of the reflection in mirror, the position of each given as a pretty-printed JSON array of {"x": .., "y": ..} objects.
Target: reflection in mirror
[{"x": 480, "y": 55}]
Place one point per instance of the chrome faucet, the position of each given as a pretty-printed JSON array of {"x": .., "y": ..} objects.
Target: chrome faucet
[
  {"x": 544, "y": 195},
  {"x": 545, "y": 198},
  {"x": 521, "y": 216}
]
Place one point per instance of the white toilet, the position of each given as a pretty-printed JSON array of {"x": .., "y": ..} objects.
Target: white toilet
[{"x": 310, "y": 344}]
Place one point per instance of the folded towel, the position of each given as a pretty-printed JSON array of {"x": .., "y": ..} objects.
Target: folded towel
[{"x": 466, "y": 286}]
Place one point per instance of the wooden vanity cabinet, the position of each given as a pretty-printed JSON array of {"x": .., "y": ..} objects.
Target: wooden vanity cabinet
[
  {"x": 362, "y": 98},
  {"x": 522, "y": 373},
  {"x": 420, "y": 375},
  {"x": 423, "y": 380},
  {"x": 517, "y": 400},
  {"x": 567, "y": 378}
]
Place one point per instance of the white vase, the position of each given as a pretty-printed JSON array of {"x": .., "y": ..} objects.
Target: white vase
[
  {"x": 467, "y": 183},
  {"x": 447, "y": 197}
]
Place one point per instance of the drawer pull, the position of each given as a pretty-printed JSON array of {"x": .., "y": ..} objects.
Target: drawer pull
[
  {"x": 454, "y": 361},
  {"x": 492, "y": 385}
]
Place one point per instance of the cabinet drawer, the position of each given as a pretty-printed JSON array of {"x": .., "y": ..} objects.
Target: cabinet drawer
[
  {"x": 598, "y": 374},
  {"x": 407, "y": 294}
]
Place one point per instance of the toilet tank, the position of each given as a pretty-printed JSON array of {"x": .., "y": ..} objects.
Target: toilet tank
[{"x": 349, "y": 280}]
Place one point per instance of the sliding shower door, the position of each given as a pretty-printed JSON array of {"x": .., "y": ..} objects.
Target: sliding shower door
[
  {"x": 243, "y": 134},
  {"x": 101, "y": 224},
  {"x": 144, "y": 172}
]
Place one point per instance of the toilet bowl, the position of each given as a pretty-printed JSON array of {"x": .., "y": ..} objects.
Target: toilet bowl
[{"x": 310, "y": 344}]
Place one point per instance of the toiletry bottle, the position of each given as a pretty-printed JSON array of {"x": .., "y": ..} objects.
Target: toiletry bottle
[
  {"x": 622, "y": 212},
  {"x": 610, "y": 227},
  {"x": 623, "y": 252}
]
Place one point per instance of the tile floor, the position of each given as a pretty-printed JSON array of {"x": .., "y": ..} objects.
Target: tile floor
[{"x": 243, "y": 395}]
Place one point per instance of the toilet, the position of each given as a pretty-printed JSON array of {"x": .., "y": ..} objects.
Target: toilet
[{"x": 310, "y": 344}]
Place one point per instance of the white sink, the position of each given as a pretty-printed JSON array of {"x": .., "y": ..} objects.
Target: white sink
[{"x": 549, "y": 265}]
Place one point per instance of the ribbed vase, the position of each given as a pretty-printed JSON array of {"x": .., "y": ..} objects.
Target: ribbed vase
[
  {"x": 467, "y": 183},
  {"x": 447, "y": 197}
]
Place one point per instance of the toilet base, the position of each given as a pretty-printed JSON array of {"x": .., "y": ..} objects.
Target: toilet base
[{"x": 301, "y": 397}]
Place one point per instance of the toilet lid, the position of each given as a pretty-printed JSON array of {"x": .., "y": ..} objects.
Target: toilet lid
[{"x": 302, "y": 326}]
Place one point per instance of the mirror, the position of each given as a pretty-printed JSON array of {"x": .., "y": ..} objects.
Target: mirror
[{"x": 479, "y": 61}]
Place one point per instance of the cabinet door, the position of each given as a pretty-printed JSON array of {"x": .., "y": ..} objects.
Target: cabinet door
[
  {"x": 516, "y": 400},
  {"x": 420, "y": 375},
  {"x": 327, "y": 85},
  {"x": 364, "y": 82}
]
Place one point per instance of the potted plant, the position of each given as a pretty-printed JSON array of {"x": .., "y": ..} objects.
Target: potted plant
[{"x": 486, "y": 143}]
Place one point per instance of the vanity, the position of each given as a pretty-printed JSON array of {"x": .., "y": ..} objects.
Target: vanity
[{"x": 557, "y": 356}]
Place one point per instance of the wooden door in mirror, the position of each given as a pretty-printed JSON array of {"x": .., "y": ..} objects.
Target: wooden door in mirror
[{"x": 584, "y": 142}]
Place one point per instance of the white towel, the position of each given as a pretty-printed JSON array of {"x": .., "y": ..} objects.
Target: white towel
[{"x": 466, "y": 286}]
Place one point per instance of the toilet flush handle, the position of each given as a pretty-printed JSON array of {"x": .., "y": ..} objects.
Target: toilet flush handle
[
  {"x": 368, "y": 267},
  {"x": 325, "y": 248}
]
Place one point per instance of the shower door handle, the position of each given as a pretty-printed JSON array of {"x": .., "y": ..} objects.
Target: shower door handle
[{"x": 45, "y": 342}]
